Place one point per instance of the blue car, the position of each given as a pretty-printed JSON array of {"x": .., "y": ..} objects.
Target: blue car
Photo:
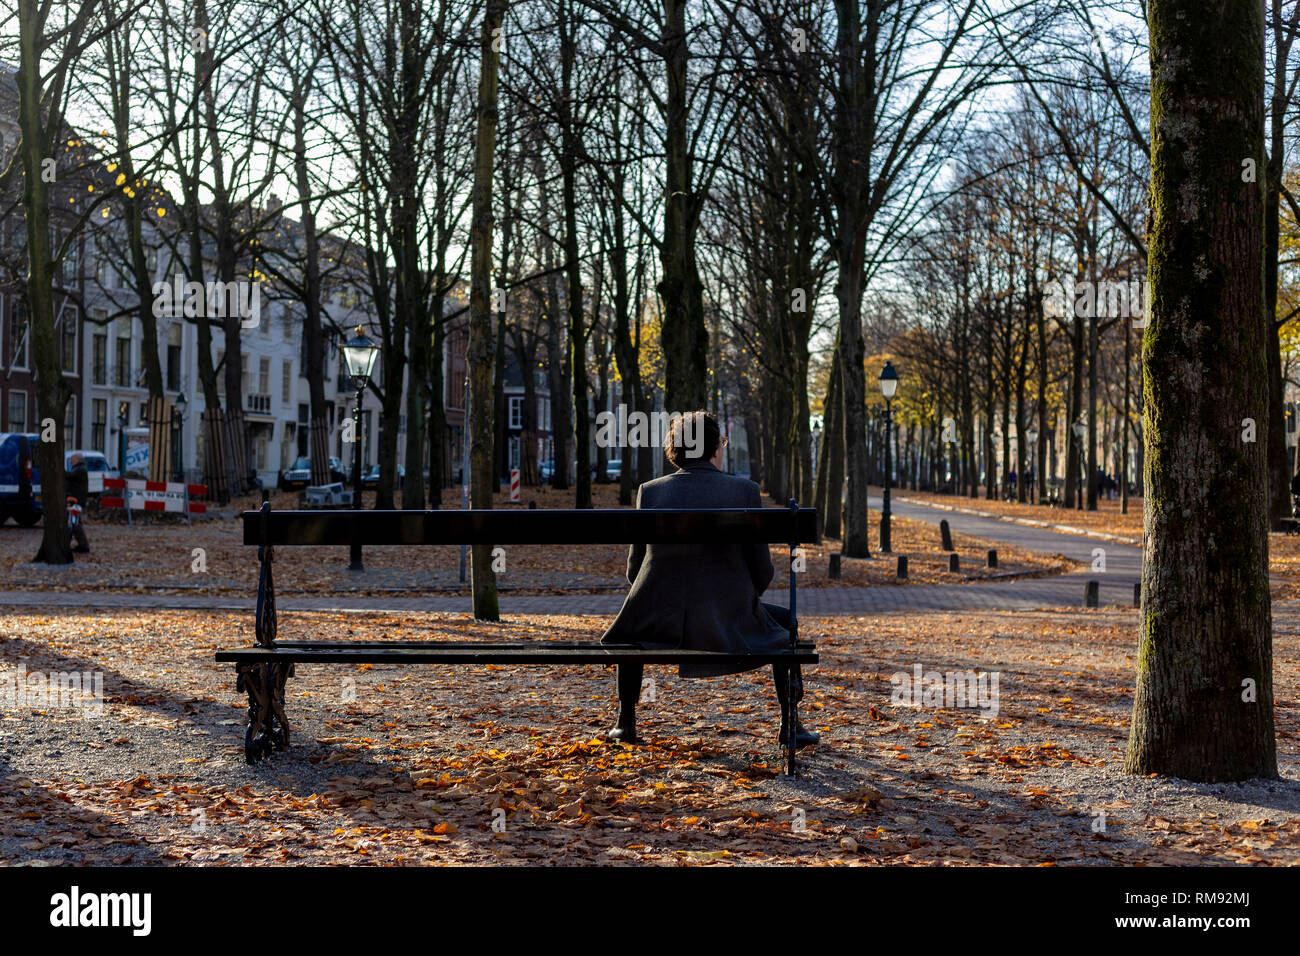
[{"x": 20, "y": 479}]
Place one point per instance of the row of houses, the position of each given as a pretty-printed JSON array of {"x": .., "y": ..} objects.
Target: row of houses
[{"x": 100, "y": 328}]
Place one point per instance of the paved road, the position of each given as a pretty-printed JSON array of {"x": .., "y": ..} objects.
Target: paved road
[
  {"x": 1123, "y": 567},
  {"x": 1123, "y": 562}
]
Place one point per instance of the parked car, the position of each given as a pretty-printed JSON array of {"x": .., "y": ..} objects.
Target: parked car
[
  {"x": 614, "y": 469},
  {"x": 370, "y": 480},
  {"x": 298, "y": 475},
  {"x": 20, "y": 479}
]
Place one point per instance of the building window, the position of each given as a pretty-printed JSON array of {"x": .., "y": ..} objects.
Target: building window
[
  {"x": 99, "y": 359},
  {"x": 122, "y": 354},
  {"x": 17, "y": 416},
  {"x": 286, "y": 382},
  {"x": 70, "y": 268},
  {"x": 264, "y": 376},
  {"x": 70, "y": 423},
  {"x": 144, "y": 414},
  {"x": 18, "y": 336},
  {"x": 516, "y": 411},
  {"x": 174, "y": 357},
  {"x": 68, "y": 339},
  {"x": 243, "y": 373},
  {"x": 264, "y": 321},
  {"x": 151, "y": 263},
  {"x": 98, "y": 422}
]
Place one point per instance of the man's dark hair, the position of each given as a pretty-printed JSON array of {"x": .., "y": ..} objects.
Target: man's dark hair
[{"x": 692, "y": 437}]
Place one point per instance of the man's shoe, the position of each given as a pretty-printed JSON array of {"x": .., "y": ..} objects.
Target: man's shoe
[{"x": 802, "y": 737}]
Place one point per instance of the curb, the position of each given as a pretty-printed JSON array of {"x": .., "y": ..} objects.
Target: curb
[{"x": 1028, "y": 522}]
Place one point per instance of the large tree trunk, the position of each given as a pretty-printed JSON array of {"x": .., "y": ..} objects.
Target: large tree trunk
[
  {"x": 1279, "y": 464},
  {"x": 314, "y": 366},
  {"x": 482, "y": 482},
  {"x": 684, "y": 333},
  {"x": 1203, "y": 708},
  {"x": 52, "y": 392},
  {"x": 573, "y": 268}
]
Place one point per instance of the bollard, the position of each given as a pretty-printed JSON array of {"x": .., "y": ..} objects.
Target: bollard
[
  {"x": 902, "y": 567},
  {"x": 834, "y": 571},
  {"x": 266, "y": 495},
  {"x": 532, "y": 506},
  {"x": 954, "y": 563},
  {"x": 946, "y": 533},
  {"x": 1092, "y": 594},
  {"x": 993, "y": 558},
  {"x": 1137, "y": 593}
]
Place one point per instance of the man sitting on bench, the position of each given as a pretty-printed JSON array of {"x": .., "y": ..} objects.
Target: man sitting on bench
[{"x": 699, "y": 596}]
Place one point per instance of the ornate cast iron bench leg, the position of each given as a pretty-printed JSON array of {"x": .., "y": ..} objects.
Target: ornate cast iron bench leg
[
  {"x": 268, "y": 726},
  {"x": 790, "y": 720}
]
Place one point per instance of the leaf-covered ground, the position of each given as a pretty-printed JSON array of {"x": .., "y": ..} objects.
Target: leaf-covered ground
[
  {"x": 159, "y": 555},
  {"x": 434, "y": 764}
]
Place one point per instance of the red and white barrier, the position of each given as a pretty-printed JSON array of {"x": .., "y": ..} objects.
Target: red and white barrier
[
  {"x": 139, "y": 495},
  {"x": 514, "y": 484}
]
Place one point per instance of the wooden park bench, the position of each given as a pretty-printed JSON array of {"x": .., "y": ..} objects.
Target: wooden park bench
[{"x": 264, "y": 668}]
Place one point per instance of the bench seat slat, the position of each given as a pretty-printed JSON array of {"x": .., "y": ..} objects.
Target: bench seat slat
[
  {"x": 581, "y": 526},
  {"x": 418, "y": 645},
  {"x": 496, "y": 654}
]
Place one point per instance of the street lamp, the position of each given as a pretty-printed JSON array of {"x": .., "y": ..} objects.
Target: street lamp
[
  {"x": 888, "y": 386},
  {"x": 179, "y": 408},
  {"x": 359, "y": 353},
  {"x": 1079, "y": 430},
  {"x": 1032, "y": 435},
  {"x": 122, "y": 418}
]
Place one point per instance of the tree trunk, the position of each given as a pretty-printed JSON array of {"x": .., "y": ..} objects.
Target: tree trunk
[
  {"x": 1203, "y": 707},
  {"x": 482, "y": 484},
  {"x": 52, "y": 392},
  {"x": 684, "y": 335}
]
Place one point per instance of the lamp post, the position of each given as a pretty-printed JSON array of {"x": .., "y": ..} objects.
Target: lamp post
[
  {"x": 816, "y": 449},
  {"x": 888, "y": 386},
  {"x": 122, "y": 416},
  {"x": 1079, "y": 430},
  {"x": 179, "y": 408},
  {"x": 359, "y": 353},
  {"x": 1032, "y": 435}
]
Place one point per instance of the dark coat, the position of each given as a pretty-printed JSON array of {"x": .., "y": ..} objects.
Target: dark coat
[
  {"x": 699, "y": 596},
  {"x": 76, "y": 483}
]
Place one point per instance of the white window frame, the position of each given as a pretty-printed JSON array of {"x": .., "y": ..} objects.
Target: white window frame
[
  {"x": 27, "y": 340},
  {"x": 9, "y": 401},
  {"x": 74, "y": 313}
]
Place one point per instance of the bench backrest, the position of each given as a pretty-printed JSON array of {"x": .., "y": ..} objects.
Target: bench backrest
[{"x": 588, "y": 526}]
